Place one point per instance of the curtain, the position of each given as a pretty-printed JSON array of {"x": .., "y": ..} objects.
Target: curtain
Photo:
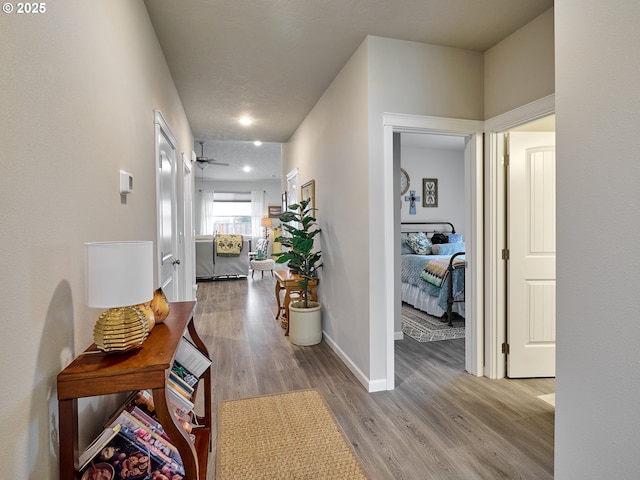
[
  {"x": 257, "y": 212},
  {"x": 205, "y": 219}
]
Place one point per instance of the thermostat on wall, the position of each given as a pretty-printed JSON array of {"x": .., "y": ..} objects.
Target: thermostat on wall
[{"x": 126, "y": 182}]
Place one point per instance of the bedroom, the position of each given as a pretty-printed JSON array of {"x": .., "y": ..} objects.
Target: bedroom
[{"x": 436, "y": 160}]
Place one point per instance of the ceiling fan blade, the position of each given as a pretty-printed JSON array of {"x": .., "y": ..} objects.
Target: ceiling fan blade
[{"x": 213, "y": 162}]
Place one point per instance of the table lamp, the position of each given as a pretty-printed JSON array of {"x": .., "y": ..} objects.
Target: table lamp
[
  {"x": 119, "y": 275},
  {"x": 267, "y": 223}
]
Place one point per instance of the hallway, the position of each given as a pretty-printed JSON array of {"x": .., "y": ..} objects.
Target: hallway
[{"x": 439, "y": 422}]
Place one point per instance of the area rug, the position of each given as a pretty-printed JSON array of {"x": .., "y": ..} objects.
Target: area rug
[
  {"x": 286, "y": 436},
  {"x": 423, "y": 327}
]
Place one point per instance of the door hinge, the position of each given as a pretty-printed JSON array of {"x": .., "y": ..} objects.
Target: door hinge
[
  {"x": 505, "y": 348},
  {"x": 505, "y": 160},
  {"x": 505, "y": 254}
]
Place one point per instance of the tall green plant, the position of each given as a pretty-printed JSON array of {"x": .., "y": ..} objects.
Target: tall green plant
[{"x": 299, "y": 222}]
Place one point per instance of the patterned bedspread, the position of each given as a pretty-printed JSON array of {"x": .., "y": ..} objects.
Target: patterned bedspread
[
  {"x": 413, "y": 265},
  {"x": 228, "y": 245},
  {"x": 437, "y": 270}
]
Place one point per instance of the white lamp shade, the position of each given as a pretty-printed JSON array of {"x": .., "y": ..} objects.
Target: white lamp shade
[{"x": 118, "y": 274}]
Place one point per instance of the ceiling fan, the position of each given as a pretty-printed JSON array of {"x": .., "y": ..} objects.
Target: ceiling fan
[{"x": 203, "y": 161}]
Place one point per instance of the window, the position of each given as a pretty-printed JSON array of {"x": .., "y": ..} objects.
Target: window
[{"x": 232, "y": 213}]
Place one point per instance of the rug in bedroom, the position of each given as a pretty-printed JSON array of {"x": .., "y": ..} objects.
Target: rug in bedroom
[{"x": 423, "y": 327}]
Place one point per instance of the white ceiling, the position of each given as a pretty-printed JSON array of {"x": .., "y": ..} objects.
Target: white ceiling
[
  {"x": 273, "y": 59},
  {"x": 264, "y": 161}
]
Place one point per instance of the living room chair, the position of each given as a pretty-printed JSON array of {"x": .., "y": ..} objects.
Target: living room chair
[{"x": 260, "y": 262}]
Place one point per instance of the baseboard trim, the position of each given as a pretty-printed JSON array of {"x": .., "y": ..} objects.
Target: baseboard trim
[
  {"x": 398, "y": 336},
  {"x": 370, "y": 385}
]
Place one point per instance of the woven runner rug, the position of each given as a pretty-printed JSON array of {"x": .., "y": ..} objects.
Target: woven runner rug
[
  {"x": 285, "y": 436},
  {"x": 423, "y": 327}
]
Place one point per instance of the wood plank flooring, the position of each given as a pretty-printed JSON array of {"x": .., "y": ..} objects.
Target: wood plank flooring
[{"x": 439, "y": 422}]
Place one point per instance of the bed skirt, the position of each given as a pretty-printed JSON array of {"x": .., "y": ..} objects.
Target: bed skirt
[{"x": 420, "y": 300}]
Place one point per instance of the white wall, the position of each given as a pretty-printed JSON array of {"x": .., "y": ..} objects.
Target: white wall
[
  {"x": 448, "y": 167},
  {"x": 330, "y": 146},
  {"x": 409, "y": 78},
  {"x": 598, "y": 332},
  {"x": 79, "y": 85},
  {"x": 340, "y": 145},
  {"x": 520, "y": 69}
]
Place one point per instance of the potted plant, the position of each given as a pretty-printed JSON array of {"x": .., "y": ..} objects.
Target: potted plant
[{"x": 305, "y": 322}]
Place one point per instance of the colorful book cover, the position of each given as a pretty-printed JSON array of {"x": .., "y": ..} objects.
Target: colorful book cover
[
  {"x": 180, "y": 371},
  {"x": 152, "y": 441},
  {"x": 125, "y": 457},
  {"x": 173, "y": 376},
  {"x": 191, "y": 358}
]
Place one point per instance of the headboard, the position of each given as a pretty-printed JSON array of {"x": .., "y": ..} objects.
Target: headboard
[{"x": 409, "y": 227}]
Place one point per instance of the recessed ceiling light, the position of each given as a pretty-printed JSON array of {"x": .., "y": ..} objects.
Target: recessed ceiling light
[
  {"x": 257, "y": 143},
  {"x": 246, "y": 121},
  {"x": 247, "y": 168}
]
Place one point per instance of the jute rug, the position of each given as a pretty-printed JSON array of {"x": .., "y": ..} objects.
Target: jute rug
[
  {"x": 285, "y": 436},
  {"x": 423, "y": 327}
]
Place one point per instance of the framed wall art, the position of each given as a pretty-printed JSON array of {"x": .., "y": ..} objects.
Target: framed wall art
[
  {"x": 429, "y": 192},
  {"x": 274, "y": 211},
  {"x": 308, "y": 191}
]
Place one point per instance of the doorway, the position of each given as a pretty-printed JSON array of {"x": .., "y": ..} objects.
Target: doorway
[
  {"x": 531, "y": 250},
  {"x": 472, "y": 133},
  {"x": 496, "y": 234},
  {"x": 422, "y": 158},
  {"x": 166, "y": 174}
]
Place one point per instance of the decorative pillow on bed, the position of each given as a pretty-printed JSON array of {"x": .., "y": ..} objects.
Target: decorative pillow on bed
[
  {"x": 405, "y": 249},
  {"x": 419, "y": 243},
  {"x": 455, "y": 237},
  {"x": 447, "y": 248}
]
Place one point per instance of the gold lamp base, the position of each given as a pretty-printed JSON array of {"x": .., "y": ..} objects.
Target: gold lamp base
[{"x": 120, "y": 329}]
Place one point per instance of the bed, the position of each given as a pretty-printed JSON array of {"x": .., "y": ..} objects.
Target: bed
[{"x": 423, "y": 290}]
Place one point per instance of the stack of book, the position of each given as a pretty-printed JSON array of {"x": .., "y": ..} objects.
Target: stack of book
[{"x": 133, "y": 444}]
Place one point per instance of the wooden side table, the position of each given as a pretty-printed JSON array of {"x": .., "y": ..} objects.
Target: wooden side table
[{"x": 288, "y": 281}]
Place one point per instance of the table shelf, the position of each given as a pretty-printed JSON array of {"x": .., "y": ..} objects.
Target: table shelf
[{"x": 95, "y": 373}]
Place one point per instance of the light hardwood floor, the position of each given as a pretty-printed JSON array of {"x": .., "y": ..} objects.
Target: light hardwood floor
[{"x": 439, "y": 422}]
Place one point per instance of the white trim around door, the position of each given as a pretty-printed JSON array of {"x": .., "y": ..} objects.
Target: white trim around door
[
  {"x": 473, "y": 132},
  {"x": 495, "y": 217}
]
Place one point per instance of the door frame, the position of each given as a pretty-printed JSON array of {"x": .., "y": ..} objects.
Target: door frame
[
  {"x": 495, "y": 233},
  {"x": 162, "y": 128},
  {"x": 473, "y": 130},
  {"x": 188, "y": 237}
]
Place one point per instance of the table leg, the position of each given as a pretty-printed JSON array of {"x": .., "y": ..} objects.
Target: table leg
[
  {"x": 278, "y": 288},
  {"x": 284, "y": 321}
]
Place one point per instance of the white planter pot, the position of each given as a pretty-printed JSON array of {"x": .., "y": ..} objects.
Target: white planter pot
[{"x": 305, "y": 324}]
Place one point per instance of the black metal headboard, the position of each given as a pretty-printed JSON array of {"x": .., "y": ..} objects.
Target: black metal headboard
[{"x": 453, "y": 229}]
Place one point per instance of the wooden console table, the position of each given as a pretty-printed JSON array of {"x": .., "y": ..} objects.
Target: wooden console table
[
  {"x": 95, "y": 373},
  {"x": 287, "y": 281}
]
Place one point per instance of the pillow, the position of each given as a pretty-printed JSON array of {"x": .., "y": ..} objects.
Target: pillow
[
  {"x": 438, "y": 238},
  {"x": 455, "y": 237},
  {"x": 419, "y": 243},
  {"x": 405, "y": 249},
  {"x": 447, "y": 248}
]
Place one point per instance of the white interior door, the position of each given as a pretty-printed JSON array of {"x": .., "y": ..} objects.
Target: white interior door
[
  {"x": 168, "y": 256},
  {"x": 188, "y": 244},
  {"x": 531, "y": 239}
]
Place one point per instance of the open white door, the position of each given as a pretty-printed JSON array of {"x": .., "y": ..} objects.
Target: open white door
[
  {"x": 531, "y": 211},
  {"x": 168, "y": 259}
]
